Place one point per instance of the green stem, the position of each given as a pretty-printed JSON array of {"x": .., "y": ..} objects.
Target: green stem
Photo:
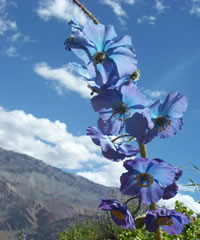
[
  {"x": 86, "y": 11},
  {"x": 125, "y": 135},
  {"x": 143, "y": 153}
]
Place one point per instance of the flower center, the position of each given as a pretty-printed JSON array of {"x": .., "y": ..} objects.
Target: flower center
[
  {"x": 161, "y": 124},
  {"x": 144, "y": 180},
  {"x": 121, "y": 111},
  {"x": 99, "y": 57},
  {"x": 117, "y": 214},
  {"x": 164, "y": 221},
  {"x": 135, "y": 76}
]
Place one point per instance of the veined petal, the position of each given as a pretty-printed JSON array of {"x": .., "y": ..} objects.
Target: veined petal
[
  {"x": 96, "y": 135},
  {"x": 163, "y": 172},
  {"x": 121, "y": 56},
  {"x": 132, "y": 96},
  {"x": 105, "y": 99},
  {"x": 172, "y": 129},
  {"x": 154, "y": 109},
  {"x": 128, "y": 149},
  {"x": 138, "y": 164},
  {"x": 124, "y": 41},
  {"x": 128, "y": 184},
  {"x": 109, "y": 125},
  {"x": 174, "y": 106},
  {"x": 152, "y": 194},
  {"x": 139, "y": 125},
  {"x": 95, "y": 32}
]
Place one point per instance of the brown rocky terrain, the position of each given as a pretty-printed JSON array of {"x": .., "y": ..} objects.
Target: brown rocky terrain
[{"x": 41, "y": 199}]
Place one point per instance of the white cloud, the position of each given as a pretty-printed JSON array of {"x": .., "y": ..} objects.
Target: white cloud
[
  {"x": 61, "y": 9},
  {"x": 46, "y": 140},
  {"x": 187, "y": 200},
  {"x": 160, "y": 7},
  {"x": 12, "y": 52},
  {"x": 64, "y": 78},
  {"x": 108, "y": 175},
  {"x": 154, "y": 94},
  {"x": 5, "y": 23},
  {"x": 24, "y": 38},
  {"x": 147, "y": 19},
  {"x": 195, "y": 10},
  {"x": 15, "y": 37},
  {"x": 117, "y": 8},
  {"x": 2, "y": 5},
  {"x": 183, "y": 188}
]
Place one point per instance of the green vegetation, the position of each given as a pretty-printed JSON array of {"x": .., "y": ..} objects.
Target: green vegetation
[{"x": 102, "y": 228}]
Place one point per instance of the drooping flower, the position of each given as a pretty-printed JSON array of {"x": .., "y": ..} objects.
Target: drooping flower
[
  {"x": 160, "y": 119},
  {"x": 167, "y": 116},
  {"x": 139, "y": 126},
  {"x": 115, "y": 151},
  {"x": 147, "y": 179},
  {"x": 169, "y": 220},
  {"x": 115, "y": 106},
  {"x": 119, "y": 213},
  {"x": 102, "y": 52}
]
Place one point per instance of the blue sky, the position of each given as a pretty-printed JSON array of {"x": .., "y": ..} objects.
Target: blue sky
[{"x": 45, "y": 109}]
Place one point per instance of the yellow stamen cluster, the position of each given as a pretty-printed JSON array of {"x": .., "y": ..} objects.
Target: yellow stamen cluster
[
  {"x": 99, "y": 57},
  {"x": 145, "y": 177},
  {"x": 164, "y": 221},
  {"x": 135, "y": 76},
  {"x": 117, "y": 214},
  {"x": 160, "y": 121},
  {"x": 122, "y": 110}
]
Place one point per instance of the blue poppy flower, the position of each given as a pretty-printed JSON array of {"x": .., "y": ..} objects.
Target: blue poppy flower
[
  {"x": 160, "y": 119},
  {"x": 147, "y": 179},
  {"x": 103, "y": 53},
  {"x": 139, "y": 126},
  {"x": 115, "y": 151},
  {"x": 169, "y": 220},
  {"x": 115, "y": 106},
  {"x": 167, "y": 116},
  {"x": 119, "y": 213}
]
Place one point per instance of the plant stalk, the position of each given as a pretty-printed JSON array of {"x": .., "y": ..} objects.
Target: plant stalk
[
  {"x": 86, "y": 11},
  {"x": 143, "y": 153}
]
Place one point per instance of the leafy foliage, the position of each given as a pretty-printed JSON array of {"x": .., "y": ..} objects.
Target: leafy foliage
[{"x": 102, "y": 228}]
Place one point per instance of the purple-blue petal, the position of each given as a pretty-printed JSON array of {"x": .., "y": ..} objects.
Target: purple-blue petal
[
  {"x": 132, "y": 96},
  {"x": 109, "y": 125},
  {"x": 105, "y": 99},
  {"x": 174, "y": 106}
]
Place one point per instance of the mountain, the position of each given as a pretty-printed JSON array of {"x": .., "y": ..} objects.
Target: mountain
[{"x": 41, "y": 199}]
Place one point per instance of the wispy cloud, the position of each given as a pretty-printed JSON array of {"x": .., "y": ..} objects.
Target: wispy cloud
[
  {"x": 147, "y": 19},
  {"x": 160, "y": 7},
  {"x": 12, "y": 52},
  {"x": 46, "y": 140},
  {"x": 24, "y": 38},
  {"x": 154, "y": 94},
  {"x": 61, "y": 9},
  {"x": 5, "y": 23},
  {"x": 63, "y": 78},
  {"x": 195, "y": 9},
  {"x": 117, "y": 8},
  {"x": 183, "y": 188}
]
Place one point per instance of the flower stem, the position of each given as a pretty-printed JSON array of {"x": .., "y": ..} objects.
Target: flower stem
[
  {"x": 86, "y": 11},
  {"x": 143, "y": 153},
  {"x": 125, "y": 135}
]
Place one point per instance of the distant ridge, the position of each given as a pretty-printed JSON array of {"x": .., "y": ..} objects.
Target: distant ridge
[{"x": 41, "y": 199}]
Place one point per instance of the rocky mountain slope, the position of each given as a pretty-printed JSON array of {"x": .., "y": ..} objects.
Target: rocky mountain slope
[{"x": 41, "y": 199}]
